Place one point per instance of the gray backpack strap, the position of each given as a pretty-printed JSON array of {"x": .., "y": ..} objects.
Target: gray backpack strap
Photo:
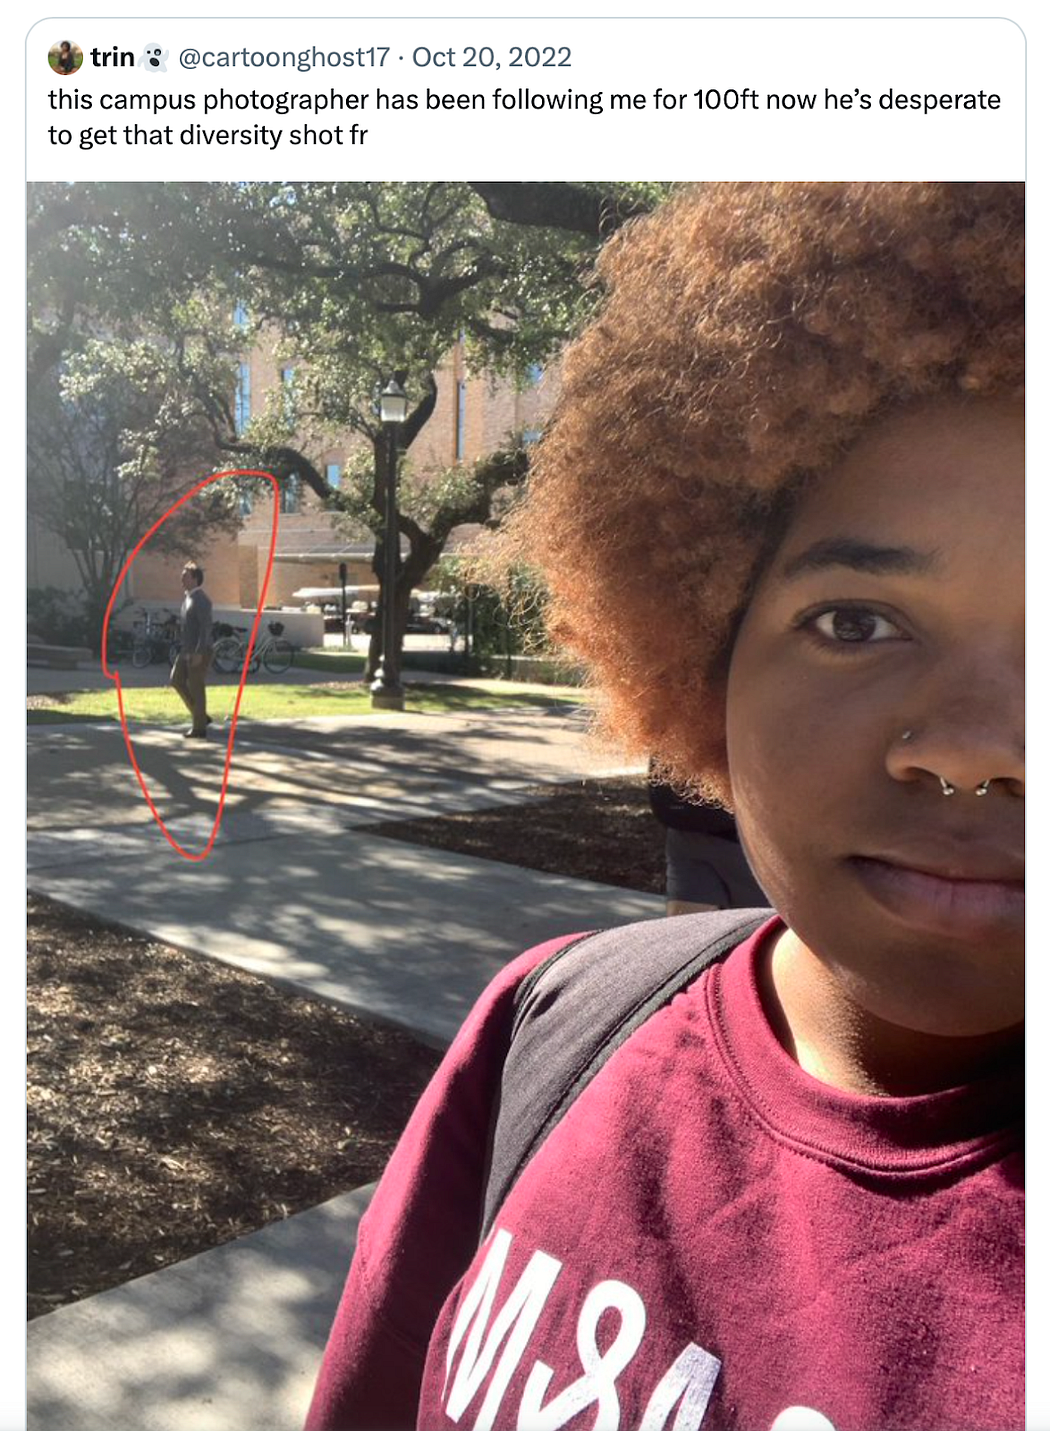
[{"x": 574, "y": 1011}]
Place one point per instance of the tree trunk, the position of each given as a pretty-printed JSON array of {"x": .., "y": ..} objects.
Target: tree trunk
[
  {"x": 95, "y": 602},
  {"x": 402, "y": 598},
  {"x": 375, "y": 651},
  {"x": 423, "y": 553}
]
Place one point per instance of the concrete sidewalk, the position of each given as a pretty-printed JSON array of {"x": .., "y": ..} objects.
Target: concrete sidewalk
[
  {"x": 299, "y": 890},
  {"x": 297, "y": 887},
  {"x": 227, "y": 1341}
]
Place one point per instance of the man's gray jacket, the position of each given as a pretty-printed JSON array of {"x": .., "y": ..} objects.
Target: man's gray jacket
[{"x": 196, "y": 623}]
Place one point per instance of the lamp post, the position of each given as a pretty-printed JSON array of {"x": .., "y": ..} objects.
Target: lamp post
[
  {"x": 342, "y": 602},
  {"x": 387, "y": 691}
]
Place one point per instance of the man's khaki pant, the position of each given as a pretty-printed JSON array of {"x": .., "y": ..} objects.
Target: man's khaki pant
[{"x": 189, "y": 676}]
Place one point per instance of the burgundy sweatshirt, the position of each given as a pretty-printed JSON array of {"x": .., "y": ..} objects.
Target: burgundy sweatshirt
[{"x": 710, "y": 1238}]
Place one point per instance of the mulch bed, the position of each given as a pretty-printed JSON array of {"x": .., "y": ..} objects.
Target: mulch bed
[
  {"x": 600, "y": 830},
  {"x": 175, "y": 1102}
]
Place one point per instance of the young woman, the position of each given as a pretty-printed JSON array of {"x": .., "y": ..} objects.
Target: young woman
[{"x": 791, "y": 445}]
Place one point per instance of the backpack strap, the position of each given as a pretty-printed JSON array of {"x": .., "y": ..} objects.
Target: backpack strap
[{"x": 574, "y": 1011}]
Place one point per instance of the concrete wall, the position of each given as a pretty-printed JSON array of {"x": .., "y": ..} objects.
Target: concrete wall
[
  {"x": 48, "y": 560},
  {"x": 301, "y": 628}
]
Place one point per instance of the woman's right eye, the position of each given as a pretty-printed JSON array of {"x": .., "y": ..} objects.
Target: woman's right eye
[{"x": 853, "y": 625}]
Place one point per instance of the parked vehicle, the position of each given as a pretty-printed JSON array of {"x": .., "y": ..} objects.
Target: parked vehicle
[
  {"x": 427, "y": 626},
  {"x": 416, "y": 625}
]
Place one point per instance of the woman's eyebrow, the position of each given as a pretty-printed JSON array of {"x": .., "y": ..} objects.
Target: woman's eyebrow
[{"x": 859, "y": 556}]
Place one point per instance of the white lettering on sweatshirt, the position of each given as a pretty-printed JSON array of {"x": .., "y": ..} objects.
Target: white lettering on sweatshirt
[{"x": 683, "y": 1390}]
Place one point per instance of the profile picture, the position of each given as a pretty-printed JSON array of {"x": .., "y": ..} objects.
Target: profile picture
[{"x": 65, "y": 57}]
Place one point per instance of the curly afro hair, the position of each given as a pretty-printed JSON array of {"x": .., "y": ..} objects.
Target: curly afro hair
[{"x": 749, "y": 333}]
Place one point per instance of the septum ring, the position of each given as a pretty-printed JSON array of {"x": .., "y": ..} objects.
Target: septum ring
[{"x": 947, "y": 788}]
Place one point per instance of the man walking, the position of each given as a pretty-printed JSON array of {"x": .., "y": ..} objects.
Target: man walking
[{"x": 190, "y": 671}]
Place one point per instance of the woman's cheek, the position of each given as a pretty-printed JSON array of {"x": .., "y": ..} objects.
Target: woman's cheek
[
  {"x": 765, "y": 831},
  {"x": 782, "y": 747}
]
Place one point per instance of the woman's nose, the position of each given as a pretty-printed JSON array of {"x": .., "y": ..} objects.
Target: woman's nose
[{"x": 965, "y": 735}]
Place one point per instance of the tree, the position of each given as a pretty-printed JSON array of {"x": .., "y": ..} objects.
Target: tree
[
  {"x": 369, "y": 280},
  {"x": 496, "y": 622},
  {"x": 358, "y": 280},
  {"x": 114, "y": 441},
  {"x": 101, "y": 263}
]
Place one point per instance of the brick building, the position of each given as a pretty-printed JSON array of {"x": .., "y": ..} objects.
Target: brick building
[{"x": 474, "y": 415}]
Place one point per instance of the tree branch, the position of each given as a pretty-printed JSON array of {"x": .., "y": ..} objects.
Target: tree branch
[{"x": 558, "y": 206}]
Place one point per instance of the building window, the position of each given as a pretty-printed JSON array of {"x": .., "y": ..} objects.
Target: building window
[
  {"x": 240, "y": 315},
  {"x": 242, "y": 399},
  {"x": 461, "y": 419},
  {"x": 291, "y": 489},
  {"x": 334, "y": 475},
  {"x": 288, "y": 393}
]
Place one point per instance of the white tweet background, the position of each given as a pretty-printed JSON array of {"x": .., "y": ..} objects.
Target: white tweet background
[
  {"x": 639, "y": 57},
  {"x": 616, "y": 47}
]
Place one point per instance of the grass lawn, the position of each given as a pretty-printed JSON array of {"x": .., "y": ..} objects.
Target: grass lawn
[
  {"x": 160, "y": 706},
  {"x": 331, "y": 658}
]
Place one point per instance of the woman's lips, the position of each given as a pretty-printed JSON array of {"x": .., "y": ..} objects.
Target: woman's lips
[{"x": 940, "y": 903}]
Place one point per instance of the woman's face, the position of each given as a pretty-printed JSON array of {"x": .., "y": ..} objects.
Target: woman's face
[{"x": 880, "y": 664}]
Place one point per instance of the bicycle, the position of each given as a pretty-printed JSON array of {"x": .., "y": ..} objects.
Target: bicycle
[
  {"x": 273, "y": 651},
  {"x": 120, "y": 644},
  {"x": 157, "y": 641}
]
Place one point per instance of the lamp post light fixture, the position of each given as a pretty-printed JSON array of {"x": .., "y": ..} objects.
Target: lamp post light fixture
[{"x": 387, "y": 691}]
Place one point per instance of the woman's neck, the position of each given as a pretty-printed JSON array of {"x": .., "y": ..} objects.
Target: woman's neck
[{"x": 837, "y": 1041}]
